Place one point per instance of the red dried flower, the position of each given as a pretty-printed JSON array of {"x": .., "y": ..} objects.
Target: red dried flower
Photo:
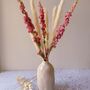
[
  {"x": 38, "y": 40},
  {"x": 27, "y": 19},
  {"x": 59, "y": 34},
  {"x": 42, "y": 20},
  {"x": 29, "y": 24},
  {"x": 67, "y": 18},
  {"x": 61, "y": 29}
]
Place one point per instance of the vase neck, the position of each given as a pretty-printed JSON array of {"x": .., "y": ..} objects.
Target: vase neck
[{"x": 46, "y": 59}]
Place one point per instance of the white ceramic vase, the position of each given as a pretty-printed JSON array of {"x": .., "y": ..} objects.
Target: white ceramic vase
[{"x": 45, "y": 76}]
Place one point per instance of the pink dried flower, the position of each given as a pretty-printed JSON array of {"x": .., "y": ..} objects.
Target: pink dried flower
[
  {"x": 27, "y": 19},
  {"x": 74, "y": 5},
  {"x": 29, "y": 24},
  {"x": 58, "y": 36},
  {"x": 67, "y": 18},
  {"x": 42, "y": 20},
  {"x": 37, "y": 38},
  {"x": 60, "y": 30}
]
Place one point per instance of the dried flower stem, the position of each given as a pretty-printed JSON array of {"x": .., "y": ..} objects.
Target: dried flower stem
[
  {"x": 61, "y": 28},
  {"x": 43, "y": 27},
  {"x": 54, "y": 15},
  {"x": 36, "y": 22},
  {"x": 34, "y": 13},
  {"x": 54, "y": 12},
  {"x": 58, "y": 15},
  {"x": 47, "y": 35},
  {"x": 34, "y": 35}
]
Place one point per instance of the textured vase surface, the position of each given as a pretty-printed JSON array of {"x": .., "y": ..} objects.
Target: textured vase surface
[{"x": 45, "y": 76}]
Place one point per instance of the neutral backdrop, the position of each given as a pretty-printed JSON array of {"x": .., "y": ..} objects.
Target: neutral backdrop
[{"x": 17, "y": 51}]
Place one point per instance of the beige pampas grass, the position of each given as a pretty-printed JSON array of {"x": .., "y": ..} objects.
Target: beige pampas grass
[
  {"x": 47, "y": 36},
  {"x": 58, "y": 14},
  {"x": 54, "y": 15},
  {"x": 35, "y": 17}
]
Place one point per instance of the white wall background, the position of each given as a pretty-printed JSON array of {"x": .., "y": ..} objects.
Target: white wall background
[{"x": 17, "y": 51}]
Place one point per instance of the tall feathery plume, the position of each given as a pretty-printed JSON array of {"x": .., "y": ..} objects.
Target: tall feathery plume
[
  {"x": 58, "y": 14},
  {"x": 36, "y": 22},
  {"x": 56, "y": 17},
  {"x": 47, "y": 35},
  {"x": 35, "y": 17},
  {"x": 61, "y": 28},
  {"x": 54, "y": 12}
]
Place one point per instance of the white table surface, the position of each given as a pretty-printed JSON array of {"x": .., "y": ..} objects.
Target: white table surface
[{"x": 66, "y": 79}]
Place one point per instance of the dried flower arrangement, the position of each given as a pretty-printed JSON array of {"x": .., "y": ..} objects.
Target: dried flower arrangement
[{"x": 39, "y": 29}]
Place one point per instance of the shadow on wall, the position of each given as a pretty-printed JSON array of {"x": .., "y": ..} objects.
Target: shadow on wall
[{"x": 0, "y": 34}]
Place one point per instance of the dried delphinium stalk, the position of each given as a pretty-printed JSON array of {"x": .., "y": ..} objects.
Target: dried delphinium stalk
[{"x": 61, "y": 28}]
